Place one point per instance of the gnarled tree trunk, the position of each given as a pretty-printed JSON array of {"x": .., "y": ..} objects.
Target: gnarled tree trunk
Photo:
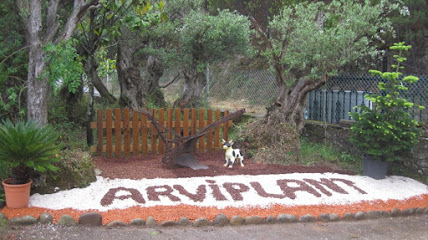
[
  {"x": 194, "y": 83},
  {"x": 155, "y": 70},
  {"x": 132, "y": 92},
  {"x": 290, "y": 103}
]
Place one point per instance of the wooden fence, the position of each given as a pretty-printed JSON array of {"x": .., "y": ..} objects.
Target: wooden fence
[{"x": 132, "y": 133}]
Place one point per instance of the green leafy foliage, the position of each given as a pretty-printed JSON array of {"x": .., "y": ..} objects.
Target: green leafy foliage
[
  {"x": 311, "y": 40},
  {"x": 387, "y": 131},
  {"x": 13, "y": 64},
  {"x": 27, "y": 146},
  {"x": 205, "y": 38},
  {"x": 64, "y": 65}
]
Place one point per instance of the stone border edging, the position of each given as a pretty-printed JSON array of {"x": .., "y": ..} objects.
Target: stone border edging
[{"x": 95, "y": 219}]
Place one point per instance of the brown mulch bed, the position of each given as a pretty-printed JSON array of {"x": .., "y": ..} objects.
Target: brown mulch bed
[{"x": 151, "y": 166}]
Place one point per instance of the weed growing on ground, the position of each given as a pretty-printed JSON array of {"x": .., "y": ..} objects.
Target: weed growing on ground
[{"x": 325, "y": 154}]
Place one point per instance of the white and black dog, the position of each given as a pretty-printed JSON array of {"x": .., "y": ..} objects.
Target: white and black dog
[{"x": 232, "y": 154}]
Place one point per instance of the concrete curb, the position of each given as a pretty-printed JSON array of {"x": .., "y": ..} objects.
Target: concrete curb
[{"x": 95, "y": 219}]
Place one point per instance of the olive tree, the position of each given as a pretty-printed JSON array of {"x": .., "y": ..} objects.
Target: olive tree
[
  {"x": 203, "y": 39},
  {"x": 309, "y": 42}
]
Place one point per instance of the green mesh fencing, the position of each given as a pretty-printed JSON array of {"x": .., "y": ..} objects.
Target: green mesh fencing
[{"x": 256, "y": 89}]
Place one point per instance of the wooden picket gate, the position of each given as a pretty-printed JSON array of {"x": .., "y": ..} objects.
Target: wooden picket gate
[{"x": 137, "y": 135}]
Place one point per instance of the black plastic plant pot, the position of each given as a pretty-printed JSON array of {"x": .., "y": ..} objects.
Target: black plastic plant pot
[{"x": 374, "y": 168}]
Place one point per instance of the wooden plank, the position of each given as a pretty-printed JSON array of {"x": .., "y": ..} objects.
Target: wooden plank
[
  {"x": 186, "y": 122},
  {"x": 178, "y": 121},
  {"x": 226, "y": 127},
  {"x": 169, "y": 125},
  {"x": 161, "y": 122},
  {"x": 100, "y": 131},
  {"x": 144, "y": 134},
  {"x": 194, "y": 125},
  {"x": 217, "y": 131},
  {"x": 135, "y": 132},
  {"x": 209, "y": 134},
  {"x": 109, "y": 124},
  {"x": 143, "y": 125},
  {"x": 153, "y": 135},
  {"x": 201, "y": 125},
  {"x": 126, "y": 132},
  {"x": 194, "y": 120},
  {"x": 118, "y": 131}
]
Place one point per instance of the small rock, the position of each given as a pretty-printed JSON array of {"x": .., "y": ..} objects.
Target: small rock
[
  {"x": 150, "y": 222},
  {"x": 395, "y": 212},
  {"x": 201, "y": 222},
  {"x": 220, "y": 220},
  {"x": 236, "y": 221},
  {"x": 287, "y": 218},
  {"x": 406, "y": 212},
  {"x": 323, "y": 217},
  {"x": 307, "y": 218},
  {"x": 359, "y": 216},
  {"x": 66, "y": 220},
  {"x": 98, "y": 172},
  {"x": 137, "y": 222},
  {"x": 116, "y": 223},
  {"x": 270, "y": 219},
  {"x": 168, "y": 223},
  {"x": 25, "y": 220},
  {"x": 254, "y": 220},
  {"x": 45, "y": 218},
  {"x": 377, "y": 214},
  {"x": 184, "y": 221},
  {"x": 90, "y": 219},
  {"x": 425, "y": 210},
  {"x": 334, "y": 217},
  {"x": 348, "y": 216}
]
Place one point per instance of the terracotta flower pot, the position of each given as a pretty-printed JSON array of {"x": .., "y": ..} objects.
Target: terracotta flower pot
[{"x": 17, "y": 195}]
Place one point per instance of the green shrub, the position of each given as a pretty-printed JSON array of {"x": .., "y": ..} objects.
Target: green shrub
[
  {"x": 26, "y": 147},
  {"x": 387, "y": 131}
]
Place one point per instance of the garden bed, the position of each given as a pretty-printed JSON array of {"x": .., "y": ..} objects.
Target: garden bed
[{"x": 131, "y": 188}]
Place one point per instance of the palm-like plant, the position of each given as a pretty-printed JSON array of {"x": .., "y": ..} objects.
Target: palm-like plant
[{"x": 27, "y": 147}]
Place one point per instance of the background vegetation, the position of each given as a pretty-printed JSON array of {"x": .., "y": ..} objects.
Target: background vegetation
[{"x": 153, "y": 37}]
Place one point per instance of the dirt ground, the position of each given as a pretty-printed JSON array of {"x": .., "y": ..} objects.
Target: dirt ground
[
  {"x": 151, "y": 166},
  {"x": 411, "y": 227}
]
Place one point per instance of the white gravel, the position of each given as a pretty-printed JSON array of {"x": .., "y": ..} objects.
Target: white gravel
[{"x": 393, "y": 187}]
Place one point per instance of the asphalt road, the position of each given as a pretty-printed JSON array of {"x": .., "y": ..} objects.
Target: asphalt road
[{"x": 410, "y": 227}]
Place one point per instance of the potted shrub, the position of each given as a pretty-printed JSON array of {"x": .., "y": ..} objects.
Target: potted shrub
[
  {"x": 387, "y": 131},
  {"x": 26, "y": 147}
]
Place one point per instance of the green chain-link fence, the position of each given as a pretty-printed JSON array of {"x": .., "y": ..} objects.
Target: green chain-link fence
[{"x": 255, "y": 90}]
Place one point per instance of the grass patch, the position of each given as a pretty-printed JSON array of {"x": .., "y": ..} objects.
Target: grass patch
[{"x": 315, "y": 154}]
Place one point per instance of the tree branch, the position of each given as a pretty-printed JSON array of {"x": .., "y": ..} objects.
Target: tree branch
[
  {"x": 79, "y": 10},
  {"x": 260, "y": 31},
  {"x": 51, "y": 23},
  {"x": 173, "y": 80}
]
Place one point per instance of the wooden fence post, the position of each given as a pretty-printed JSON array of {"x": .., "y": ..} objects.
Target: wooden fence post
[
  {"x": 144, "y": 129},
  {"x": 118, "y": 131},
  {"x": 109, "y": 129},
  {"x": 161, "y": 122},
  {"x": 217, "y": 131},
  {"x": 201, "y": 126},
  {"x": 153, "y": 134},
  {"x": 100, "y": 131},
  {"x": 209, "y": 134},
  {"x": 126, "y": 132},
  {"x": 135, "y": 132}
]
